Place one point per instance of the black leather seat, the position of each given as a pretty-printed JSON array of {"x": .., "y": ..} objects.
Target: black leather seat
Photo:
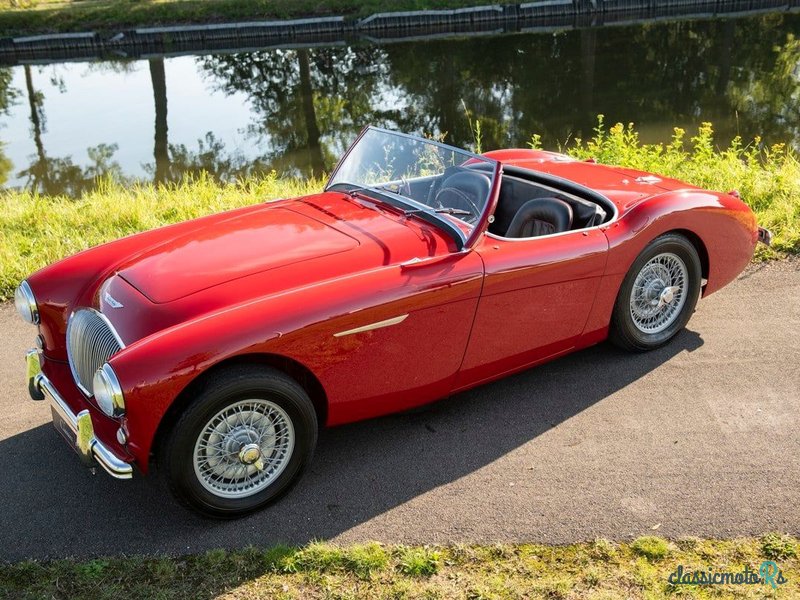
[
  {"x": 464, "y": 191},
  {"x": 540, "y": 216}
]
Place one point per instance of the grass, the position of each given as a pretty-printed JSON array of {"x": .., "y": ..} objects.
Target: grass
[
  {"x": 36, "y": 230},
  {"x": 599, "y": 569},
  {"x": 778, "y": 547},
  {"x": 651, "y": 547},
  {"x": 20, "y": 17},
  {"x": 768, "y": 179},
  {"x": 419, "y": 562}
]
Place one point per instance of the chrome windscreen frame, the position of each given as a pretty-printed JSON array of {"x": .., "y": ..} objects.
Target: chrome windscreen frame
[{"x": 421, "y": 210}]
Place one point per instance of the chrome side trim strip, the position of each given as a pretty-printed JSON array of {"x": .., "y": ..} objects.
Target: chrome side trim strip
[{"x": 371, "y": 326}]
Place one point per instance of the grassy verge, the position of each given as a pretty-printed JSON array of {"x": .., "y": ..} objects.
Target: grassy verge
[
  {"x": 18, "y": 17},
  {"x": 36, "y": 230},
  {"x": 599, "y": 569}
]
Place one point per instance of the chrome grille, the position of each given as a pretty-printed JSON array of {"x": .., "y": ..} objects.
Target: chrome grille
[{"x": 91, "y": 341}]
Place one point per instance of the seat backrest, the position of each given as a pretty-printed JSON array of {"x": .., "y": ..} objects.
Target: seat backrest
[
  {"x": 515, "y": 192},
  {"x": 540, "y": 216},
  {"x": 584, "y": 213}
]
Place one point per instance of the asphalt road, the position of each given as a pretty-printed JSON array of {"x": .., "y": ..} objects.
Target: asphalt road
[{"x": 698, "y": 438}]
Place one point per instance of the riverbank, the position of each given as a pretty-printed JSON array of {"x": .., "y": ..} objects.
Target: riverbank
[
  {"x": 645, "y": 568},
  {"x": 768, "y": 180},
  {"x": 31, "y": 17},
  {"x": 47, "y": 30}
]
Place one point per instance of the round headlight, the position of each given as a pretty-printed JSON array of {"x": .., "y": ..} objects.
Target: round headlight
[
  {"x": 107, "y": 392},
  {"x": 26, "y": 303}
]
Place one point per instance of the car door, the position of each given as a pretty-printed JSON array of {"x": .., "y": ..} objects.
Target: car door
[
  {"x": 536, "y": 299},
  {"x": 390, "y": 339}
]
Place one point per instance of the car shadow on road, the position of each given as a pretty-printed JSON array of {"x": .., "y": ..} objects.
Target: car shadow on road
[{"x": 52, "y": 507}]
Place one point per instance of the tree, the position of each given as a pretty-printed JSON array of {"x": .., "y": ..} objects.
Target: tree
[
  {"x": 54, "y": 176},
  {"x": 161, "y": 138},
  {"x": 308, "y": 104},
  {"x": 8, "y": 97}
]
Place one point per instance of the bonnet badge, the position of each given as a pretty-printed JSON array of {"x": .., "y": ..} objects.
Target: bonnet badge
[{"x": 113, "y": 303}]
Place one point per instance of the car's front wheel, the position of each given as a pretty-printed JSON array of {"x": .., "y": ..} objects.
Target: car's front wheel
[
  {"x": 658, "y": 295},
  {"x": 242, "y": 442}
]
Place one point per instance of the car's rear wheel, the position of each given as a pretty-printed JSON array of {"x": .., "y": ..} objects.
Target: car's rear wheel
[
  {"x": 241, "y": 443},
  {"x": 658, "y": 295}
]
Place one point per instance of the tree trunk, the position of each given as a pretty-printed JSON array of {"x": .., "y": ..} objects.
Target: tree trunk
[
  {"x": 161, "y": 147},
  {"x": 588, "y": 53},
  {"x": 39, "y": 172},
  {"x": 310, "y": 115}
]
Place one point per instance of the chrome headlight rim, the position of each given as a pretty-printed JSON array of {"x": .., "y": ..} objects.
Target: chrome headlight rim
[
  {"x": 25, "y": 303},
  {"x": 107, "y": 392}
]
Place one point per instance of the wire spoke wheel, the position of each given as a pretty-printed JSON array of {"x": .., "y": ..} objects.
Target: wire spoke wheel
[
  {"x": 659, "y": 293},
  {"x": 243, "y": 448}
]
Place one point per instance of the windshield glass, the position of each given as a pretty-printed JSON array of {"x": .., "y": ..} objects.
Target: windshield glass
[{"x": 419, "y": 175}]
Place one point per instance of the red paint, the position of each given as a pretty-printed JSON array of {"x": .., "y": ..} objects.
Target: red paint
[
  {"x": 536, "y": 298},
  {"x": 235, "y": 248},
  {"x": 281, "y": 279}
]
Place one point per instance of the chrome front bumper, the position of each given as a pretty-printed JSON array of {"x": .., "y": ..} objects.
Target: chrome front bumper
[{"x": 77, "y": 429}]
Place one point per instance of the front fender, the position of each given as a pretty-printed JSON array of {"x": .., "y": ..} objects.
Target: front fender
[
  {"x": 75, "y": 280},
  {"x": 300, "y": 324},
  {"x": 154, "y": 371}
]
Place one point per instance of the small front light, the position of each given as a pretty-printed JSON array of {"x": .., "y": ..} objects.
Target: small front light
[
  {"x": 108, "y": 392},
  {"x": 26, "y": 303}
]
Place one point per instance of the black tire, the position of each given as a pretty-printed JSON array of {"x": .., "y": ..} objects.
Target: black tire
[
  {"x": 220, "y": 390},
  {"x": 624, "y": 331}
]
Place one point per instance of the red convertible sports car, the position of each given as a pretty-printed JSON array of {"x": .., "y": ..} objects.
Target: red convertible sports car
[{"x": 215, "y": 348}]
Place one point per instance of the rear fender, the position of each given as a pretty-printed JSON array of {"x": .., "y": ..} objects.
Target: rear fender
[{"x": 723, "y": 224}]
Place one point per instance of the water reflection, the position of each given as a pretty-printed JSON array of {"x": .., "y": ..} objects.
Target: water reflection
[
  {"x": 54, "y": 175},
  {"x": 295, "y": 110},
  {"x": 306, "y": 105}
]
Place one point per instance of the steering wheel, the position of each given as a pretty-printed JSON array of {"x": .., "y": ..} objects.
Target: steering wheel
[
  {"x": 464, "y": 191},
  {"x": 434, "y": 189},
  {"x": 460, "y": 196}
]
